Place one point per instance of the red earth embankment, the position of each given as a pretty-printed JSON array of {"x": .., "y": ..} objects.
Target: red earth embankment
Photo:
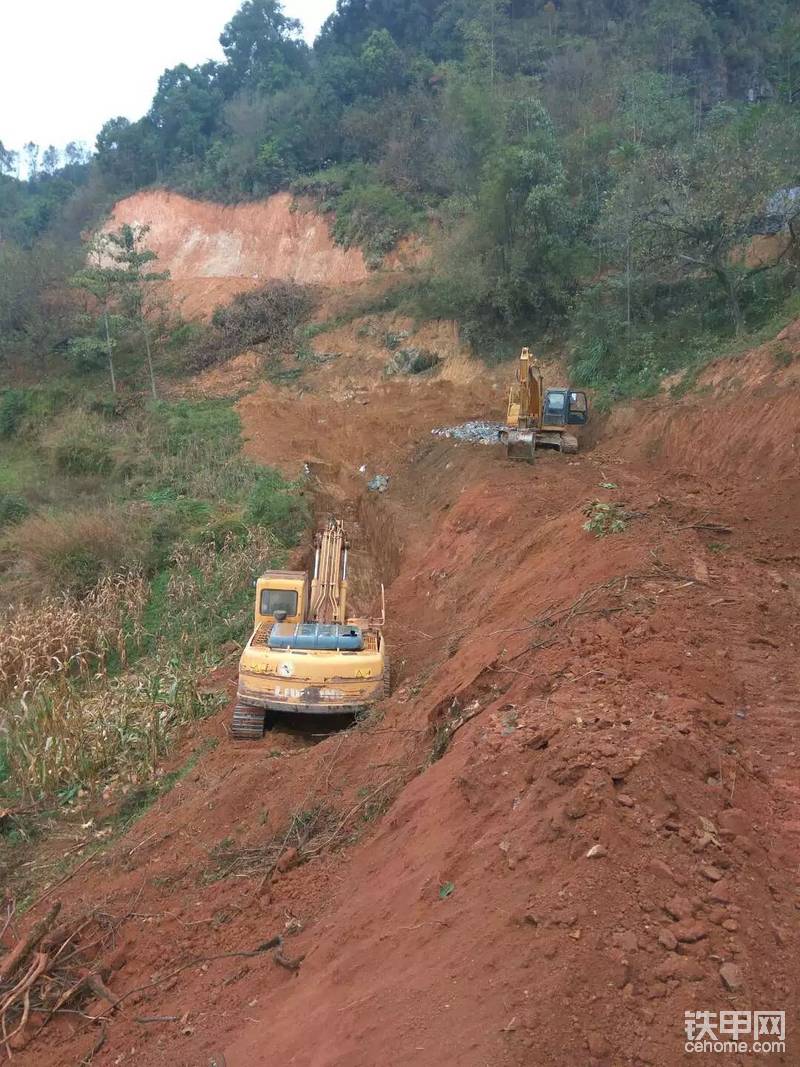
[{"x": 741, "y": 421}]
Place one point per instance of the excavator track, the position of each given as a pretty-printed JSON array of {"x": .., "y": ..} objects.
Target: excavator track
[{"x": 248, "y": 723}]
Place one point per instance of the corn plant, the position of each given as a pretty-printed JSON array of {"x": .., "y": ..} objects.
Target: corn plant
[{"x": 63, "y": 637}]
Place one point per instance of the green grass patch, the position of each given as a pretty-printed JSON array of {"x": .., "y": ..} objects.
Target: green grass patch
[{"x": 142, "y": 797}]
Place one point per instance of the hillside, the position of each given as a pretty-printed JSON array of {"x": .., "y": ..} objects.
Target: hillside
[
  {"x": 576, "y": 816},
  {"x": 558, "y": 694},
  {"x": 584, "y": 175},
  {"x": 214, "y": 252}
]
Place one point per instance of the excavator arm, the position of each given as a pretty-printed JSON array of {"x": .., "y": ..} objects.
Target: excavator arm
[
  {"x": 328, "y": 600},
  {"x": 537, "y": 418},
  {"x": 526, "y": 395}
]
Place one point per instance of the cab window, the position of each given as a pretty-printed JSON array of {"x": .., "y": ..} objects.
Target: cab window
[{"x": 273, "y": 600}]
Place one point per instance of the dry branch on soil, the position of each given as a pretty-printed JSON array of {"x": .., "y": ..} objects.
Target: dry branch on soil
[
  {"x": 52, "y": 969},
  {"x": 556, "y": 616},
  {"x": 310, "y": 832}
]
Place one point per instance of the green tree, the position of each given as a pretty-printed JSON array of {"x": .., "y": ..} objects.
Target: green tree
[
  {"x": 678, "y": 36},
  {"x": 383, "y": 63},
  {"x": 702, "y": 207},
  {"x": 102, "y": 279},
  {"x": 127, "y": 152},
  {"x": 51, "y": 157},
  {"x": 134, "y": 282},
  {"x": 8, "y": 160},
  {"x": 185, "y": 112},
  {"x": 263, "y": 47}
]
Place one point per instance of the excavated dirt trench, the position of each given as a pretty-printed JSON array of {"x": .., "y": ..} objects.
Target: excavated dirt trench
[{"x": 576, "y": 818}]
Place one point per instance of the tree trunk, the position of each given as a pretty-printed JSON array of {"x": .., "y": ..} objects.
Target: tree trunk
[
  {"x": 628, "y": 320},
  {"x": 108, "y": 349},
  {"x": 149, "y": 357},
  {"x": 729, "y": 284}
]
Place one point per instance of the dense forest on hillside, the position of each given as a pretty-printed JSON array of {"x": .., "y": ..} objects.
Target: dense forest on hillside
[{"x": 582, "y": 171}]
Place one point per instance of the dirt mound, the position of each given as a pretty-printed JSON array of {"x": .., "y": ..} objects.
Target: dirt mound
[
  {"x": 577, "y": 817},
  {"x": 741, "y": 419},
  {"x": 213, "y": 251}
]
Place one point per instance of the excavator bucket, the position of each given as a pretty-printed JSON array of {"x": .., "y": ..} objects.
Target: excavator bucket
[{"x": 520, "y": 444}]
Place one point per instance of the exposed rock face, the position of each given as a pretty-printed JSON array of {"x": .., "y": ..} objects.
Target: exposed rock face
[{"x": 214, "y": 251}]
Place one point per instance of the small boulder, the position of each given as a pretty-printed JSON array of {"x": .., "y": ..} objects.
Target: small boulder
[
  {"x": 734, "y": 821},
  {"x": 713, "y": 874},
  {"x": 679, "y": 908},
  {"x": 720, "y": 893},
  {"x": 668, "y": 940},
  {"x": 731, "y": 976},
  {"x": 689, "y": 932},
  {"x": 596, "y": 852}
]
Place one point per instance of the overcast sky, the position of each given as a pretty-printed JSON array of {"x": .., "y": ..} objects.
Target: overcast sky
[{"x": 68, "y": 65}]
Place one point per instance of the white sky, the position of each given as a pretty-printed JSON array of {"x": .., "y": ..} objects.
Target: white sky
[{"x": 68, "y": 65}]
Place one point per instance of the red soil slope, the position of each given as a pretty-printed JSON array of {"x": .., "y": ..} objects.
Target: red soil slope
[
  {"x": 577, "y": 817},
  {"x": 579, "y": 814},
  {"x": 214, "y": 252}
]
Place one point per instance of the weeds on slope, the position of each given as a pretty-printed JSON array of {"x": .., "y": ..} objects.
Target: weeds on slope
[{"x": 125, "y": 583}]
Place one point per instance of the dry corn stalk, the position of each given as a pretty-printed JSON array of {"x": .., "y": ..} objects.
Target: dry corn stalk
[{"x": 62, "y": 636}]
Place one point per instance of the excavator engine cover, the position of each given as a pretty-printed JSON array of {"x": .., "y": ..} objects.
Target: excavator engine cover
[{"x": 316, "y": 637}]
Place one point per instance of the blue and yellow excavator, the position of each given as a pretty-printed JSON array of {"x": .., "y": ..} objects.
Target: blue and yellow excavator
[
  {"x": 308, "y": 655},
  {"x": 539, "y": 417}
]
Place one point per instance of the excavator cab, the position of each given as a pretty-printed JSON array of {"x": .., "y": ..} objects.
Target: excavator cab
[
  {"x": 564, "y": 407},
  {"x": 281, "y": 595}
]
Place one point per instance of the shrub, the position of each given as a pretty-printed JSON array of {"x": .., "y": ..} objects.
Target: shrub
[
  {"x": 81, "y": 444},
  {"x": 277, "y": 505},
  {"x": 87, "y": 354},
  {"x": 13, "y": 509},
  {"x": 14, "y": 406},
  {"x": 368, "y": 213},
  {"x": 72, "y": 551},
  {"x": 267, "y": 316},
  {"x": 374, "y": 217},
  {"x": 222, "y": 531},
  {"x": 411, "y": 361},
  {"x": 605, "y": 519}
]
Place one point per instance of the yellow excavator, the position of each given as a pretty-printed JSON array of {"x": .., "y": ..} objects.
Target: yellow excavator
[
  {"x": 306, "y": 656},
  {"x": 538, "y": 418}
]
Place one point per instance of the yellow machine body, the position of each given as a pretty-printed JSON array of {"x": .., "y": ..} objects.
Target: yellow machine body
[
  {"x": 539, "y": 418},
  {"x": 306, "y": 655}
]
